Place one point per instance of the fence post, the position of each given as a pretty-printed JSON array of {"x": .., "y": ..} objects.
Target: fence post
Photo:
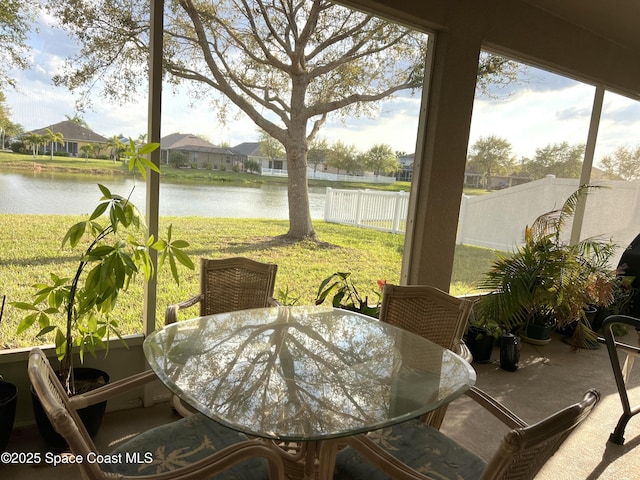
[
  {"x": 358, "y": 219},
  {"x": 328, "y": 202},
  {"x": 397, "y": 211},
  {"x": 461, "y": 220}
]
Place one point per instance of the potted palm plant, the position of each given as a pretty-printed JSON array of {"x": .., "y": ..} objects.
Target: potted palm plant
[
  {"x": 112, "y": 255},
  {"x": 547, "y": 282}
]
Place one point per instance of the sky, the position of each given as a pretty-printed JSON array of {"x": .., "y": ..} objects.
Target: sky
[{"x": 540, "y": 109}]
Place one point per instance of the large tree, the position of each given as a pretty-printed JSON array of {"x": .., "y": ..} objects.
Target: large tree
[
  {"x": 560, "y": 159},
  {"x": 344, "y": 157},
  {"x": 16, "y": 17},
  {"x": 287, "y": 65},
  {"x": 381, "y": 159},
  {"x": 491, "y": 155},
  {"x": 623, "y": 163}
]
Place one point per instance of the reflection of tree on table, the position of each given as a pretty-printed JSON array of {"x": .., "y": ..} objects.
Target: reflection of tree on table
[{"x": 302, "y": 373}]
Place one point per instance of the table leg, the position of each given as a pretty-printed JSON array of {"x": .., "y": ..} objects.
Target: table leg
[{"x": 328, "y": 449}]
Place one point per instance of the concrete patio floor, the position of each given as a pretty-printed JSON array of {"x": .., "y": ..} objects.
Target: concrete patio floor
[{"x": 550, "y": 377}]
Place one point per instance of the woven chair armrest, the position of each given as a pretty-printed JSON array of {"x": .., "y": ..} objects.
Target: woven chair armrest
[
  {"x": 497, "y": 409},
  {"x": 112, "y": 389},
  {"x": 171, "y": 313}
]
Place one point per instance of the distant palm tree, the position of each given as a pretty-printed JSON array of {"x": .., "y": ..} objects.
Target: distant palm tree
[
  {"x": 78, "y": 120},
  {"x": 33, "y": 140},
  {"x": 95, "y": 149},
  {"x": 53, "y": 138},
  {"x": 86, "y": 149},
  {"x": 116, "y": 147}
]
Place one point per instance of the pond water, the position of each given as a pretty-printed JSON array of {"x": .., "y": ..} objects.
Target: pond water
[{"x": 47, "y": 193}]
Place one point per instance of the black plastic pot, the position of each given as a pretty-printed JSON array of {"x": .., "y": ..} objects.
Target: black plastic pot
[
  {"x": 591, "y": 315},
  {"x": 480, "y": 343},
  {"x": 91, "y": 416},
  {"x": 8, "y": 402},
  {"x": 539, "y": 334}
]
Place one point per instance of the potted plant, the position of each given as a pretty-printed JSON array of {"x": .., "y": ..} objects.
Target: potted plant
[
  {"x": 346, "y": 294},
  {"x": 112, "y": 255},
  {"x": 549, "y": 282},
  {"x": 482, "y": 334}
]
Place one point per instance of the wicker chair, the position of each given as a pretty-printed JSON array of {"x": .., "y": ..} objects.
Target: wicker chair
[
  {"x": 191, "y": 448},
  {"x": 430, "y": 454},
  {"x": 227, "y": 285},
  {"x": 431, "y": 313},
  {"x": 230, "y": 284}
]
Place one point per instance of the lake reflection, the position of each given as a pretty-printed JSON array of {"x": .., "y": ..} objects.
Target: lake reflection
[{"x": 46, "y": 193}]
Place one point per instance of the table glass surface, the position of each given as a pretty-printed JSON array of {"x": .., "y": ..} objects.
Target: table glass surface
[{"x": 304, "y": 373}]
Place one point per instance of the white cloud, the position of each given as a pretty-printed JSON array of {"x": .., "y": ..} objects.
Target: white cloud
[{"x": 534, "y": 119}]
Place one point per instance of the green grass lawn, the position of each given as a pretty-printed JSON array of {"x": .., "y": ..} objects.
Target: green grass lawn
[{"x": 30, "y": 248}]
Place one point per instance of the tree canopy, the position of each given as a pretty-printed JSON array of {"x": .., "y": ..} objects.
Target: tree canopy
[
  {"x": 15, "y": 24},
  {"x": 344, "y": 157},
  {"x": 623, "y": 163},
  {"x": 560, "y": 159},
  {"x": 381, "y": 159},
  {"x": 287, "y": 65},
  {"x": 491, "y": 156}
]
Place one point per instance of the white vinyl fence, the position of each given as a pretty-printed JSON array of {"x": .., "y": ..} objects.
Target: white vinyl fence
[
  {"x": 497, "y": 220},
  {"x": 334, "y": 177},
  {"x": 386, "y": 211},
  {"x": 311, "y": 174}
]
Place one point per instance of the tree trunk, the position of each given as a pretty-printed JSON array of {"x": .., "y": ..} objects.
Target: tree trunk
[{"x": 300, "y": 225}]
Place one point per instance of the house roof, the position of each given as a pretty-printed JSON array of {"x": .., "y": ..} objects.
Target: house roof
[
  {"x": 71, "y": 131},
  {"x": 192, "y": 143},
  {"x": 250, "y": 149}
]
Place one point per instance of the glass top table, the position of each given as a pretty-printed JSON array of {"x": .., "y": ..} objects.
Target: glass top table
[{"x": 304, "y": 373}]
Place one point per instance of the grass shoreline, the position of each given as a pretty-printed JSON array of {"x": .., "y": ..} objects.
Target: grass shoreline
[{"x": 78, "y": 166}]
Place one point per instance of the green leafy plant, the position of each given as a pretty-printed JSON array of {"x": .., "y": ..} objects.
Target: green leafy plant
[
  {"x": 486, "y": 326},
  {"x": 113, "y": 254},
  {"x": 346, "y": 295},
  {"x": 287, "y": 297},
  {"x": 548, "y": 280}
]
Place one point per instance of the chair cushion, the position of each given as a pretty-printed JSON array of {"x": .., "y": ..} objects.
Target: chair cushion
[
  {"x": 179, "y": 444},
  {"x": 417, "y": 445}
]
